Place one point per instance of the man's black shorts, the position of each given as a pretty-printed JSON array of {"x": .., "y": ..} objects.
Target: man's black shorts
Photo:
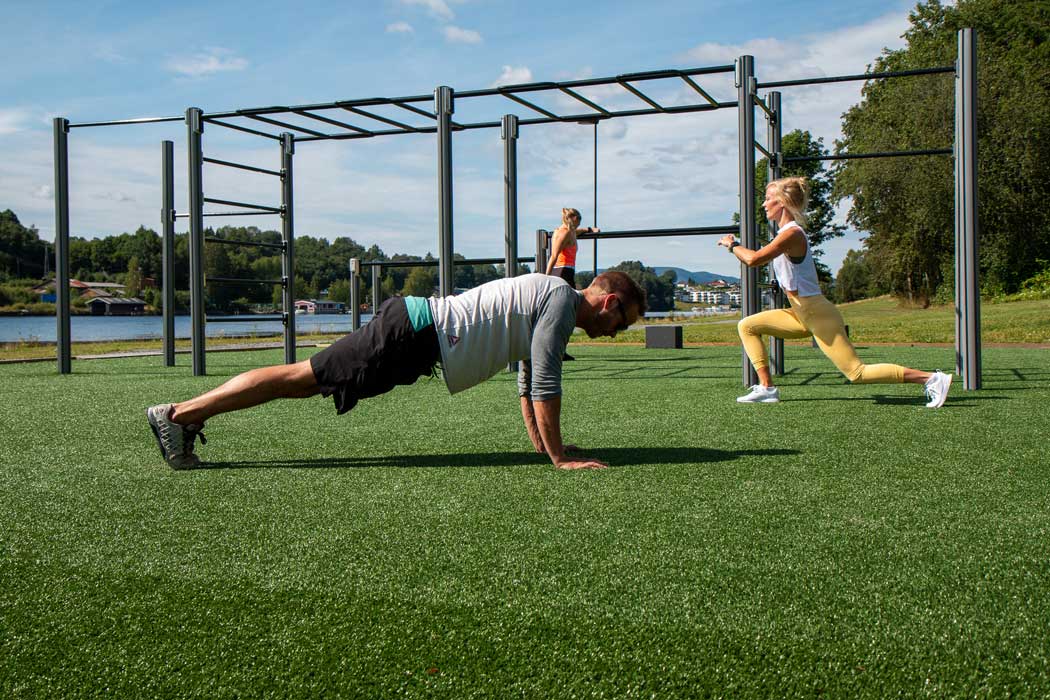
[{"x": 374, "y": 359}]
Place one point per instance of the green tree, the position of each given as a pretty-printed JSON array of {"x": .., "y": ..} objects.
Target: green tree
[
  {"x": 133, "y": 279},
  {"x": 854, "y": 278},
  {"x": 906, "y": 204},
  {"x": 420, "y": 282},
  {"x": 659, "y": 289}
]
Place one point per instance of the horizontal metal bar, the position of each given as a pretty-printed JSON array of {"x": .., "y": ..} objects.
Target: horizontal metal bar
[
  {"x": 230, "y": 203},
  {"x": 682, "y": 109},
  {"x": 416, "y": 110},
  {"x": 371, "y": 101},
  {"x": 537, "y": 108},
  {"x": 883, "y": 154},
  {"x": 254, "y": 244},
  {"x": 380, "y": 118},
  {"x": 592, "y": 82},
  {"x": 640, "y": 95},
  {"x": 259, "y": 318},
  {"x": 284, "y": 125},
  {"x": 122, "y": 122},
  {"x": 761, "y": 149},
  {"x": 240, "y": 280},
  {"x": 328, "y": 120},
  {"x": 864, "y": 76},
  {"x": 245, "y": 129},
  {"x": 699, "y": 90},
  {"x": 584, "y": 100},
  {"x": 660, "y": 232},
  {"x": 241, "y": 166},
  {"x": 432, "y": 263}
]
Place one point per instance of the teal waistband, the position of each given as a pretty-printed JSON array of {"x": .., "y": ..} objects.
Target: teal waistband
[{"x": 418, "y": 313}]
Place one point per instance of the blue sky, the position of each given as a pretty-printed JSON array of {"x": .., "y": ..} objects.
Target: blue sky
[{"x": 115, "y": 60}]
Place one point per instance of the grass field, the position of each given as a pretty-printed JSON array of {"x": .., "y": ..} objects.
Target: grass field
[
  {"x": 872, "y": 320},
  {"x": 846, "y": 542}
]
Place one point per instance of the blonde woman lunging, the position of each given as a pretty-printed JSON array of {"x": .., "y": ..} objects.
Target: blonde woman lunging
[{"x": 811, "y": 314}]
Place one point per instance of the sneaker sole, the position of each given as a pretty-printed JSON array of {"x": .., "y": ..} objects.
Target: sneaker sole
[{"x": 760, "y": 401}]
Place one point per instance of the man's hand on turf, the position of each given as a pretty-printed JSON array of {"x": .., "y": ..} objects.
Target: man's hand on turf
[{"x": 583, "y": 463}]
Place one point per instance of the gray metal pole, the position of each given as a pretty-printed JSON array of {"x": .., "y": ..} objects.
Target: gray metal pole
[
  {"x": 377, "y": 289},
  {"x": 594, "y": 242},
  {"x": 774, "y": 131},
  {"x": 749, "y": 297},
  {"x": 509, "y": 134},
  {"x": 195, "y": 162},
  {"x": 355, "y": 299},
  {"x": 968, "y": 303},
  {"x": 443, "y": 108},
  {"x": 288, "y": 238},
  {"x": 167, "y": 253},
  {"x": 541, "y": 251},
  {"x": 64, "y": 333}
]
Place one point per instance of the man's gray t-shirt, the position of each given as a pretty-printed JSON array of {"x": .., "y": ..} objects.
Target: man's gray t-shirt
[{"x": 528, "y": 318}]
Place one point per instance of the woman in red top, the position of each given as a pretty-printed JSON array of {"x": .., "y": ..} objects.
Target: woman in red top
[{"x": 562, "y": 260}]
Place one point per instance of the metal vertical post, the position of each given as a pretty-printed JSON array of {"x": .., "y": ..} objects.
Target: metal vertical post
[
  {"x": 195, "y": 162},
  {"x": 355, "y": 300},
  {"x": 594, "y": 241},
  {"x": 288, "y": 239},
  {"x": 509, "y": 134},
  {"x": 443, "y": 108},
  {"x": 541, "y": 251},
  {"x": 64, "y": 334},
  {"x": 745, "y": 71},
  {"x": 167, "y": 253},
  {"x": 774, "y": 131},
  {"x": 377, "y": 289},
  {"x": 967, "y": 296}
]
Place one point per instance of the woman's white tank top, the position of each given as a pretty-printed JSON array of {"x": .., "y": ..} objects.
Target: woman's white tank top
[{"x": 800, "y": 278}]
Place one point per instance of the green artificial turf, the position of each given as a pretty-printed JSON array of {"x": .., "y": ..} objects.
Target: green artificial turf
[{"x": 846, "y": 542}]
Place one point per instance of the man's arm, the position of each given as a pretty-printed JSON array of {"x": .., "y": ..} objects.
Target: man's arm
[
  {"x": 548, "y": 423},
  {"x": 529, "y": 416}
]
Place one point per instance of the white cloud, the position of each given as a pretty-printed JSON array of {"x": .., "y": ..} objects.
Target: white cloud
[
  {"x": 399, "y": 28},
  {"x": 12, "y": 120},
  {"x": 44, "y": 192},
  {"x": 109, "y": 54},
  {"x": 457, "y": 35},
  {"x": 437, "y": 8},
  {"x": 215, "y": 60},
  {"x": 512, "y": 75}
]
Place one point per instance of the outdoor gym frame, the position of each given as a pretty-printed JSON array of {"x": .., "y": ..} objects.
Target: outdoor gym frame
[{"x": 443, "y": 100}]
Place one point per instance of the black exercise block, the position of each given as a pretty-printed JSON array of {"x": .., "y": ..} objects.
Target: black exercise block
[{"x": 663, "y": 337}]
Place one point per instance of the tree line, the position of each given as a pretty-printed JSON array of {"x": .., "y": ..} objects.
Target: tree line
[{"x": 321, "y": 267}]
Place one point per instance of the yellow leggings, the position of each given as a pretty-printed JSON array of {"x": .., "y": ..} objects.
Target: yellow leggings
[{"x": 813, "y": 316}]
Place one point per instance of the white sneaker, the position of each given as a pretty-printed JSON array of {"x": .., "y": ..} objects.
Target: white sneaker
[
  {"x": 937, "y": 389},
  {"x": 761, "y": 394},
  {"x": 175, "y": 441}
]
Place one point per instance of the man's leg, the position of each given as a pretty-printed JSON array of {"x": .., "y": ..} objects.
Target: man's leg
[{"x": 257, "y": 386}]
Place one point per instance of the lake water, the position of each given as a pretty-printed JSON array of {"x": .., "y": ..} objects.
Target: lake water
[{"x": 43, "y": 328}]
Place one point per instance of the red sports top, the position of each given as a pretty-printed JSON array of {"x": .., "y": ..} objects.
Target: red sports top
[{"x": 567, "y": 256}]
